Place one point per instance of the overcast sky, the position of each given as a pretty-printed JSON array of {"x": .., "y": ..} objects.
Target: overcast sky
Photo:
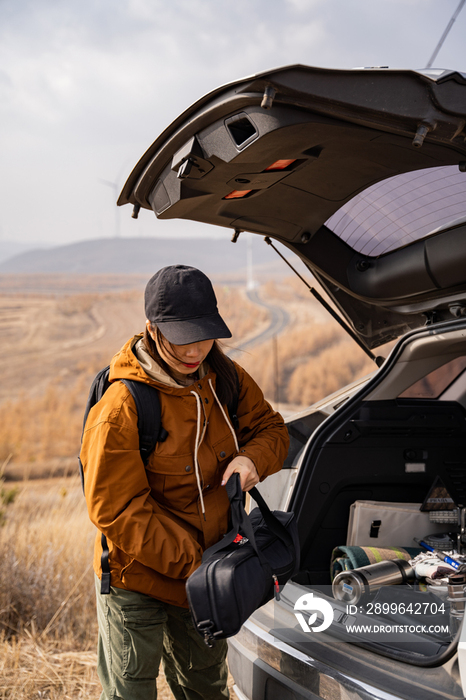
[{"x": 87, "y": 85}]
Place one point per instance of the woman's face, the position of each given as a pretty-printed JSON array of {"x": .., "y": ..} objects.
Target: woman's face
[{"x": 184, "y": 359}]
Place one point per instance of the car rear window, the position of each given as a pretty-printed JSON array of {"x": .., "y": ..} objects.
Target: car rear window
[
  {"x": 436, "y": 382},
  {"x": 401, "y": 210}
]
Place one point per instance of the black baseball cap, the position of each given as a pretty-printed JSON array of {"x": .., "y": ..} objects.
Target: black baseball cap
[{"x": 181, "y": 302}]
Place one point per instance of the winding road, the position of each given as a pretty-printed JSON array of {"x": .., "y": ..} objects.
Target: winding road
[{"x": 279, "y": 320}]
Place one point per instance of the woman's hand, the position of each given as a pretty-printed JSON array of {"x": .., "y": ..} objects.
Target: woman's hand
[{"x": 245, "y": 468}]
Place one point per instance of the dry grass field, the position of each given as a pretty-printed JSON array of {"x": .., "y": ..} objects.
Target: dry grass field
[
  {"x": 55, "y": 333},
  {"x": 47, "y": 612},
  {"x": 47, "y": 648},
  {"x": 55, "y": 345}
]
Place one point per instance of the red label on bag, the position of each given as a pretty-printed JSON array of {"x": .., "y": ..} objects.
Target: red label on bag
[{"x": 239, "y": 540}]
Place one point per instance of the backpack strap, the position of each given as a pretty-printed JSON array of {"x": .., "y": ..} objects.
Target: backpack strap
[
  {"x": 150, "y": 430},
  {"x": 105, "y": 566},
  {"x": 232, "y": 406},
  {"x": 98, "y": 388}
]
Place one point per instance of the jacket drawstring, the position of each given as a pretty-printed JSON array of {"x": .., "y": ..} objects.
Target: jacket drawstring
[
  {"x": 196, "y": 449},
  {"x": 224, "y": 415},
  {"x": 200, "y": 437}
]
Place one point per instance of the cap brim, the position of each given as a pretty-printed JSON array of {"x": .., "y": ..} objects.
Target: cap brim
[{"x": 194, "y": 330}]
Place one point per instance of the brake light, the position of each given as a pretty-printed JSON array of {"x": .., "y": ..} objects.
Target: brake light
[
  {"x": 281, "y": 164},
  {"x": 277, "y": 165},
  {"x": 236, "y": 194}
]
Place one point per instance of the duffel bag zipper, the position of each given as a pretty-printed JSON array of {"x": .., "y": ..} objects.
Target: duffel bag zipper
[
  {"x": 283, "y": 569},
  {"x": 213, "y": 605},
  {"x": 209, "y": 636},
  {"x": 276, "y": 585}
]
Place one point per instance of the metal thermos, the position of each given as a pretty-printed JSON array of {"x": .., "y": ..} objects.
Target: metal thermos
[
  {"x": 351, "y": 586},
  {"x": 456, "y": 598},
  {"x": 456, "y": 593}
]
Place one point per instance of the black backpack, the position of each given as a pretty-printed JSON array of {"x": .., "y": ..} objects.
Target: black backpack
[{"x": 150, "y": 430}]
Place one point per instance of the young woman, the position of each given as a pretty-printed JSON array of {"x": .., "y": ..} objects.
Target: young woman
[{"x": 159, "y": 518}]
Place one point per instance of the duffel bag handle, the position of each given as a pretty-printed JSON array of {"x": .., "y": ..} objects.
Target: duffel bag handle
[
  {"x": 271, "y": 521},
  {"x": 240, "y": 522},
  {"x": 239, "y": 515}
]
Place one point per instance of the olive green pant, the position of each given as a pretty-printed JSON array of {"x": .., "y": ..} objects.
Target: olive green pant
[{"x": 136, "y": 632}]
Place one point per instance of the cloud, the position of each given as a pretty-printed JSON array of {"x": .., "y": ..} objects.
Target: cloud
[
  {"x": 87, "y": 85},
  {"x": 302, "y": 6}
]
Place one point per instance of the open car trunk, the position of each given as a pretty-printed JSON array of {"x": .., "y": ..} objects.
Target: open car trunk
[
  {"x": 386, "y": 442},
  {"x": 360, "y": 173},
  {"x": 395, "y": 440}
]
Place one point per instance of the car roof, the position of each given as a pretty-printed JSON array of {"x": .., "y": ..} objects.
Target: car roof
[{"x": 360, "y": 172}]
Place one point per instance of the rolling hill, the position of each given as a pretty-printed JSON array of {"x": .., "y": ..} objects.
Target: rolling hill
[{"x": 217, "y": 257}]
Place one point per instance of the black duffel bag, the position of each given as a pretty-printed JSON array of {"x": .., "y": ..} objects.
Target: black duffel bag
[{"x": 244, "y": 570}]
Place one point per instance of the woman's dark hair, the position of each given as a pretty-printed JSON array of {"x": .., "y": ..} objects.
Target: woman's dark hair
[{"x": 226, "y": 386}]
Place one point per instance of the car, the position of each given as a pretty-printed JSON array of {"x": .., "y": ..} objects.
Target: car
[{"x": 362, "y": 175}]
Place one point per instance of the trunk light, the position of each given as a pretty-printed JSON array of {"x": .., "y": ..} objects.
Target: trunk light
[
  {"x": 281, "y": 164},
  {"x": 236, "y": 194}
]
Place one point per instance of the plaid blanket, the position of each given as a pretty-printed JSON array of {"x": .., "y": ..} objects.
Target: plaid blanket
[{"x": 346, "y": 558}]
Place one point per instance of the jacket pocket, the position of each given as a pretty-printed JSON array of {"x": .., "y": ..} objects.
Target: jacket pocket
[
  {"x": 225, "y": 451},
  {"x": 172, "y": 480}
]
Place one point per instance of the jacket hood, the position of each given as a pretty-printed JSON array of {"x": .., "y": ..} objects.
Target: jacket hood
[{"x": 134, "y": 362}]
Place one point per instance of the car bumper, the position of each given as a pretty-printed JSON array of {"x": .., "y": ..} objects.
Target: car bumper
[{"x": 266, "y": 668}]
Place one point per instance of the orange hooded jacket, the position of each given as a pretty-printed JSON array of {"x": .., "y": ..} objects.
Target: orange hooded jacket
[{"x": 152, "y": 516}]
